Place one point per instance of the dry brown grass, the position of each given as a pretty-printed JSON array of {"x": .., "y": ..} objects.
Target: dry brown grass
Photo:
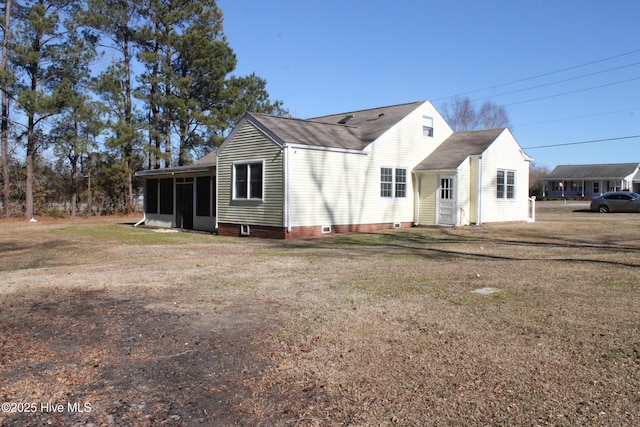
[{"x": 368, "y": 329}]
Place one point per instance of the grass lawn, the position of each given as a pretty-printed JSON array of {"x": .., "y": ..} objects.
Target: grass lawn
[{"x": 381, "y": 328}]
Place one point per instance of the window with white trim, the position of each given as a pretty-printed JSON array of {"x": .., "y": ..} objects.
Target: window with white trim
[
  {"x": 248, "y": 180},
  {"x": 427, "y": 126},
  {"x": 506, "y": 185},
  {"x": 393, "y": 182}
]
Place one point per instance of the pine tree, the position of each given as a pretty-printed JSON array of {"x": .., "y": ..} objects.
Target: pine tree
[
  {"x": 116, "y": 21},
  {"x": 37, "y": 53}
]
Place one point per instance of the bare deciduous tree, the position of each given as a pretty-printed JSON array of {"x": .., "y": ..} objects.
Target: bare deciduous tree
[{"x": 462, "y": 115}]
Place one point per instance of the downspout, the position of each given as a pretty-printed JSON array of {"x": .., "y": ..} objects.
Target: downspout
[
  {"x": 144, "y": 218},
  {"x": 416, "y": 199},
  {"x": 287, "y": 189},
  {"x": 144, "y": 206},
  {"x": 479, "y": 193},
  {"x": 457, "y": 192}
]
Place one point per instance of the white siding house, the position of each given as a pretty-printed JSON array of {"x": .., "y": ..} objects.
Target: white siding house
[{"x": 387, "y": 167}]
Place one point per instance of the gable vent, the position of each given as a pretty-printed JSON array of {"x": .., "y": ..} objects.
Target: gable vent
[{"x": 346, "y": 119}]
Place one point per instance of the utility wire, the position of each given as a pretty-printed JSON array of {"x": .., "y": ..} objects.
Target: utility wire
[
  {"x": 557, "y": 82},
  {"x": 542, "y": 75},
  {"x": 576, "y": 117},
  {"x": 571, "y": 92},
  {"x": 584, "y": 142}
]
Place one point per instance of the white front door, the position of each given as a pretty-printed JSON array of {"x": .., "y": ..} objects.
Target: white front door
[{"x": 447, "y": 206}]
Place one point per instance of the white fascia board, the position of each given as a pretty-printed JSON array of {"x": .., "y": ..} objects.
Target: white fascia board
[
  {"x": 525, "y": 156},
  {"x": 320, "y": 148},
  {"x": 448, "y": 170}
]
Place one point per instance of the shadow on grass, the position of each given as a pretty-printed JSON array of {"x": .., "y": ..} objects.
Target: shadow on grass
[{"x": 412, "y": 243}]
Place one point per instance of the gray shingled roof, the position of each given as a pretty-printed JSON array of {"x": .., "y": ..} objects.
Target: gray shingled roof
[
  {"x": 355, "y": 133},
  {"x": 603, "y": 171},
  {"x": 287, "y": 130},
  {"x": 205, "y": 164},
  {"x": 455, "y": 149}
]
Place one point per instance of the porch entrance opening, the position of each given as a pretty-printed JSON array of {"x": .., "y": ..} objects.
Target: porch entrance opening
[{"x": 184, "y": 203}]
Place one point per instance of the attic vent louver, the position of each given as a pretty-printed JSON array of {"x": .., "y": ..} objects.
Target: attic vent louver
[{"x": 346, "y": 119}]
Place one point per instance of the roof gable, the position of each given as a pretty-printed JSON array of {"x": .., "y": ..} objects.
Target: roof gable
[
  {"x": 455, "y": 149},
  {"x": 370, "y": 124},
  {"x": 346, "y": 131},
  {"x": 287, "y": 130}
]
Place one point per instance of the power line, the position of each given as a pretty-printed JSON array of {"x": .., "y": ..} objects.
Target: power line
[
  {"x": 571, "y": 92},
  {"x": 576, "y": 117},
  {"x": 583, "y": 142},
  {"x": 544, "y": 74},
  {"x": 558, "y": 81}
]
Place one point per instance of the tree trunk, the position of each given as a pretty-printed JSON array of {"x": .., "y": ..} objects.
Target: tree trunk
[
  {"x": 89, "y": 196},
  {"x": 5, "y": 116},
  {"x": 128, "y": 147},
  {"x": 31, "y": 148}
]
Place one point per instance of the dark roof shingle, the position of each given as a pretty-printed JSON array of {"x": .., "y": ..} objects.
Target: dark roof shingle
[
  {"x": 455, "y": 149},
  {"x": 353, "y": 130}
]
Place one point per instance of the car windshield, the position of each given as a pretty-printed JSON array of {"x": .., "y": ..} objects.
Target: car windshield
[{"x": 635, "y": 195}]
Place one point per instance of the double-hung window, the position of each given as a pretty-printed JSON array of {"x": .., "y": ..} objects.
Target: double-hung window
[
  {"x": 393, "y": 182},
  {"x": 248, "y": 181},
  {"x": 427, "y": 126},
  {"x": 401, "y": 182},
  {"x": 506, "y": 185}
]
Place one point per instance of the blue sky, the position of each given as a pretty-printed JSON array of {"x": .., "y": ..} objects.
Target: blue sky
[{"x": 566, "y": 71}]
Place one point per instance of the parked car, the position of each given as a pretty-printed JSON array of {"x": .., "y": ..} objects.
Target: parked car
[{"x": 616, "y": 201}]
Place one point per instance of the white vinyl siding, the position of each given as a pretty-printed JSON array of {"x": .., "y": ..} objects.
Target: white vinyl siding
[
  {"x": 250, "y": 146},
  {"x": 465, "y": 192},
  {"x": 337, "y": 188},
  {"x": 504, "y": 154},
  {"x": 428, "y": 198}
]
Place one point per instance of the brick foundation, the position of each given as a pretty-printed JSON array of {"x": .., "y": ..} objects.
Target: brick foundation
[{"x": 266, "y": 232}]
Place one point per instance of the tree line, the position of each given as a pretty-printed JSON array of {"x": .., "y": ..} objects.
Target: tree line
[{"x": 93, "y": 90}]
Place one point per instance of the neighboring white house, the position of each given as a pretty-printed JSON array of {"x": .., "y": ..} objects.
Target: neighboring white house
[
  {"x": 387, "y": 167},
  {"x": 586, "y": 181}
]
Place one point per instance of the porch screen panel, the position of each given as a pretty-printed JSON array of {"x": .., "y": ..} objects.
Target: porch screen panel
[
  {"x": 151, "y": 196},
  {"x": 203, "y": 196},
  {"x": 166, "y": 196}
]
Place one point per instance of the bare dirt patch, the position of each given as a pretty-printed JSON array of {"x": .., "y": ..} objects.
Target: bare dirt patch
[{"x": 377, "y": 329}]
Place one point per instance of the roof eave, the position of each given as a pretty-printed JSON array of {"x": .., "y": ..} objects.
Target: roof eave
[{"x": 174, "y": 171}]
